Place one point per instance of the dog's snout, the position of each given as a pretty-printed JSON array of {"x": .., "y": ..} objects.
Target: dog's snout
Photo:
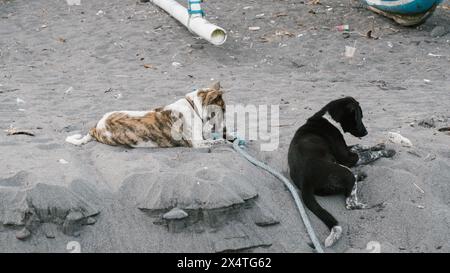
[{"x": 365, "y": 132}]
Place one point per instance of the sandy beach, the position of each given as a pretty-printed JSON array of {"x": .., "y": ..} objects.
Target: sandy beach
[{"x": 62, "y": 67}]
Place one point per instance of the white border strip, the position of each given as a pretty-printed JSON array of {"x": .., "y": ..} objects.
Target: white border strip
[{"x": 389, "y": 3}]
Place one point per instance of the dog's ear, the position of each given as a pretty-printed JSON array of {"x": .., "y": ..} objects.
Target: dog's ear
[
  {"x": 214, "y": 95},
  {"x": 336, "y": 112},
  {"x": 215, "y": 86}
]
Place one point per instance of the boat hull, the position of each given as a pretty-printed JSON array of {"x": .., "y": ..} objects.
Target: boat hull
[{"x": 404, "y": 12}]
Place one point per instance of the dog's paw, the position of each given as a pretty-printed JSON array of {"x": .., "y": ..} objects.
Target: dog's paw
[
  {"x": 388, "y": 153},
  {"x": 334, "y": 236},
  {"x": 361, "y": 176},
  {"x": 351, "y": 204},
  {"x": 378, "y": 147}
]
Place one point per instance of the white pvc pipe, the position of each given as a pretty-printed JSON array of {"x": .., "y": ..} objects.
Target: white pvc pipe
[{"x": 194, "y": 22}]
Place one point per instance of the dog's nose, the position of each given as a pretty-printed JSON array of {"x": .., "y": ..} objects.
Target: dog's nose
[{"x": 364, "y": 132}]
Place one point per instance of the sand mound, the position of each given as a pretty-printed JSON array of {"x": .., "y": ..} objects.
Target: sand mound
[{"x": 31, "y": 205}]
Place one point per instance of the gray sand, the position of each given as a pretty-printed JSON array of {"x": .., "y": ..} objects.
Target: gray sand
[{"x": 68, "y": 66}]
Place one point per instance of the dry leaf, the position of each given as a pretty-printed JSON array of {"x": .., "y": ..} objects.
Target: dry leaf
[
  {"x": 280, "y": 14},
  {"x": 149, "y": 66},
  {"x": 314, "y": 2},
  {"x": 13, "y": 131},
  {"x": 284, "y": 33}
]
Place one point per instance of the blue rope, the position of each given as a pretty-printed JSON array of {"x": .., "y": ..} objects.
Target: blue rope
[{"x": 236, "y": 145}]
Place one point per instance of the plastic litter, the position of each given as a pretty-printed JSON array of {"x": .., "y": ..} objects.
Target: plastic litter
[
  {"x": 399, "y": 139},
  {"x": 69, "y": 90},
  {"x": 343, "y": 28},
  {"x": 63, "y": 161},
  {"x": 350, "y": 51},
  {"x": 73, "y": 2}
]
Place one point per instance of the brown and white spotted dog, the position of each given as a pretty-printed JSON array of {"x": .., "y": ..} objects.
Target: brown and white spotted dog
[{"x": 189, "y": 122}]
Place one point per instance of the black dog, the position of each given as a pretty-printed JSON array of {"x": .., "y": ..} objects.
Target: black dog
[{"x": 319, "y": 159}]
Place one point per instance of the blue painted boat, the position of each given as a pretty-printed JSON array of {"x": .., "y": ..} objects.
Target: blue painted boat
[{"x": 404, "y": 12}]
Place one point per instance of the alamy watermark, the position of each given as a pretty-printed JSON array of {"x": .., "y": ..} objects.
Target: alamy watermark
[{"x": 248, "y": 122}]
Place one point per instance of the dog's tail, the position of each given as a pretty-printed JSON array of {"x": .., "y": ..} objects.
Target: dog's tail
[
  {"x": 311, "y": 203},
  {"x": 79, "y": 139}
]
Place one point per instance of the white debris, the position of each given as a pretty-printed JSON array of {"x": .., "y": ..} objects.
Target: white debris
[
  {"x": 100, "y": 12},
  {"x": 63, "y": 161},
  {"x": 69, "y": 90},
  {"x": 399, "y": 139},
  {"x": 419, "y": 188},
  {"x": 73, "y": 2},
  {"x": 118, "y": 96},
  {"x": 350, "y": 51},
  {"x": 175, "y": 214},
  {"x": 254, "y": 28},
  {"x": 176, "y": 64},
  {"x": 20, "y": 101}
]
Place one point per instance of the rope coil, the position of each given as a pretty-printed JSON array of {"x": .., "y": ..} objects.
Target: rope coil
[{"x": 312, "y": 235}]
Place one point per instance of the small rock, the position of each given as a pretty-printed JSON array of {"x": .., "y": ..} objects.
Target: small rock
[
  {"x": 72, "y": 223},
  {"x": 23, "y": 234},
  {"x": 439, "y": 31},
  {"x": 175, "y": 213},
  {"x": 197, "y": 46},
  {"x": 427, "y": 123},
  {"x": 74, "y": 216},
  {"x": 90, "y": 221},
  {"x": 49, "y": 230},
  {"x": 430, "y": 157}
]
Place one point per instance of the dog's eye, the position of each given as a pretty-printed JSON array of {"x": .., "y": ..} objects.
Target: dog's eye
[{"x": 213, "y": 114}]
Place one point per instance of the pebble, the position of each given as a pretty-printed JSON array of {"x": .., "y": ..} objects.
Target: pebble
[
  {"x": 23, "y": 234},
  {"x": 90, "y": 221},
  {"x": 439, "y": 31},
  {"x": 74, "y": 216},
  {"x": 175, "y": 213},
  {"x": 49, "y": 231},
  {"x": 427, "y": 123},
  {"x": 176, "y": 64},
  {"x": 197, "y": 46}
]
